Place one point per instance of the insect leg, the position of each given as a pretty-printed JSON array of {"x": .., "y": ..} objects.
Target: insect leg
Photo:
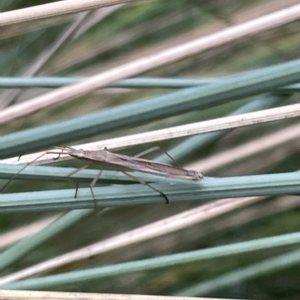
[
  {"x": 155, "y": 148},
  {"x": 147, "y": 151},
  {"x": 150, "y": 186},
  {"x": 72, "y": 173},
  {"x": 93, "y": 184},
  {"x": 56, "y": 158}
]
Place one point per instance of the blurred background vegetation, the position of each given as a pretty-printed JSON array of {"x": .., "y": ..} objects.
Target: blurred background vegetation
[{"x": 110, "y": 37}]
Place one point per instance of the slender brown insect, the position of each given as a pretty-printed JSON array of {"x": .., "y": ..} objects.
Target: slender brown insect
[
  {"x": 119, "y": 162},
  {"x": 124, "y": 163}
]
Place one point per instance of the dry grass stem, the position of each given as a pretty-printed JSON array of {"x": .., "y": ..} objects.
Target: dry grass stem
[
  {"x": 150, "y": 231},
  {"x": 147, "y": 63},
  {"x": 258, "y": 145},
  {"x": 252, "y": 118},
  {"x": 45, "y": 295},
  {"x": 55, "y": 9}
]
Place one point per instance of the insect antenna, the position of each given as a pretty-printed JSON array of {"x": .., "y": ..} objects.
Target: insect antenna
[{"x": 15, "y": 175}]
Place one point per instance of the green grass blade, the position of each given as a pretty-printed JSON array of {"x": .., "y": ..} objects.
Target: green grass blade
[
  {"x": 143, "y": 111},
  {"x": 177, "y": 190},
  {"x": 175, "y": 260}
]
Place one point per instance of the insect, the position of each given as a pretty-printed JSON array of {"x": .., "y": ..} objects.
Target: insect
[{"x": 124, "y": 163}]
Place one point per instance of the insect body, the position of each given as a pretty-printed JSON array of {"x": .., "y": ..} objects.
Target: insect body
[
  {"x": 128, "y": 163},
  {"x": 124, "y": 163}
]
